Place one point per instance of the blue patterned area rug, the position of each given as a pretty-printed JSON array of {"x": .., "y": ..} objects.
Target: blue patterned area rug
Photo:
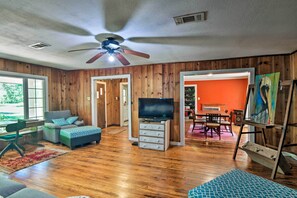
[{"x": 237, "y": 183}]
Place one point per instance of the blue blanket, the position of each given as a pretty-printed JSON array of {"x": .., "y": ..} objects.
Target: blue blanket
[{"x": 237, "y": 183}]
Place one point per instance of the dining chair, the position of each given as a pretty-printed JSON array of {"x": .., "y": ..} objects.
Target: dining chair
[
  {"x": 197, "y": 120},
  {"x": 213, "y": 123},
  {"x": 12, "y": 136},
  {"x": 228, "y": 123}
]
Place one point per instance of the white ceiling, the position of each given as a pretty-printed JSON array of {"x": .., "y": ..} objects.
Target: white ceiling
[{"x": 234, "y": 28}]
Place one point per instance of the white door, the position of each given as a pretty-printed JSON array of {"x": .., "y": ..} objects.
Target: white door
[{"x": 124, "y": 104}]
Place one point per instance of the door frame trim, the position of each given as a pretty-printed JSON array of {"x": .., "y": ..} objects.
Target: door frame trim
[
  {"x": 121, "y": 104},
  {"x": 105, "y": 109},
  {"x": 251, "y": 80},
  {"x": 94, "y": 105}
]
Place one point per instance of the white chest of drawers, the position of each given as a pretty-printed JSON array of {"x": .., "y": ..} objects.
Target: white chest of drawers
[{"x": 154, "y": 135}]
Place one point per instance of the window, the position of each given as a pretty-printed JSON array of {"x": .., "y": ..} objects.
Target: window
[
  {"x": 11, "y": 98},
  {"x": 36, "y": 98},
  {"x": 22, "y": 97}
]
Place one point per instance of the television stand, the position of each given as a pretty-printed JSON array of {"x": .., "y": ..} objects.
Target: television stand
[
  {"x": 153, "y": 120},
  {"x": 154, "y": 134}
]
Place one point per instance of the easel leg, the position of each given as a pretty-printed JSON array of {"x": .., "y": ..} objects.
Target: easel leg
[
  {"x": 279, "y": 151},
  {"x": 284, "y": 130},
  {"x": 238, "y": 140},
  {"x": 263, "y": 137}
]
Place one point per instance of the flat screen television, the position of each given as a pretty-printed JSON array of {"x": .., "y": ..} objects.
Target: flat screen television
[{"x": 155, "y": 108}]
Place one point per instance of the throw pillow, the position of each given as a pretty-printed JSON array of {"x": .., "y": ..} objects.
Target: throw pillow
[
  {"x": 71, "y": 120},
  {"x": 60, "y": 121}
]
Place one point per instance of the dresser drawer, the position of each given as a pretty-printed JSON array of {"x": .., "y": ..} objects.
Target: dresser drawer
[
  {"x": 151, "y": 139},
  {"x": 151, "y": 146},
  {"x": 151, "y": 133},
  {"x": 159, "y": 127}
]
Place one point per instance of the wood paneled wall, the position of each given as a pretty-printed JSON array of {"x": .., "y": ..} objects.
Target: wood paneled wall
[
  {"x": 71, "y": 89},
  {"x": 56, "y": 80},
  {"x": 113, "y": 101},
  {"x": 163, "y": 80}
]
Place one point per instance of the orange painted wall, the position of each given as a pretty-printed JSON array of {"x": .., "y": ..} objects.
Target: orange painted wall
[{"x": 232, "y": 93}]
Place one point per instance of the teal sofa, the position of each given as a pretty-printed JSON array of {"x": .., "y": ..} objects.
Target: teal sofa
[
  {"x": 51, "y": 131},
  {"x": 13, "y": 189}
]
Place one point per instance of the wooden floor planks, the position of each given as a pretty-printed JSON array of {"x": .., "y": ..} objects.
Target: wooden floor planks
[{"x": 115, "y": 168}]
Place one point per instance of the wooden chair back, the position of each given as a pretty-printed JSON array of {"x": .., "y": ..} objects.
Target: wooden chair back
[
  {"x": 213, "y": 118},
  {"x": 16, "y": 127}
]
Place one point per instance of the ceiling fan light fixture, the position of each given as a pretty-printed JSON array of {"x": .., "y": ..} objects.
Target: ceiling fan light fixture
[{"x": 111, "y": 58}]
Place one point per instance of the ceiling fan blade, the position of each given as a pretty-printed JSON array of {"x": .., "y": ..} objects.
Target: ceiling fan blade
[
  {"x": 173, "y": 40},
  {"x": 44, "y": 22},
  {"x": 93, "y": 48},
  {"x": 127, "y": 51},
  {"x": 96, "y": 57},
  {"x": 118, "y": 13},
  {"x": 122, "y": 59}
]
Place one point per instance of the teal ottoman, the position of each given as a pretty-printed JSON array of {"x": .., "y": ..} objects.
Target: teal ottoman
[
  {"x": 237, "y": 183},
  {"x": 73, "y": 137}
]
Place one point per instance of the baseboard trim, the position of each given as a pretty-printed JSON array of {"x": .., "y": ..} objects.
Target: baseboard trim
[
  {"x": 113, "y": 125},
  {"x": 176, "y": 144},
  {"x": 133, "y": 139}
]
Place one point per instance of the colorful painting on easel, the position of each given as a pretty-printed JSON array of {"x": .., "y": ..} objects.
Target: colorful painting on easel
[{"x": 264, "y": 104}]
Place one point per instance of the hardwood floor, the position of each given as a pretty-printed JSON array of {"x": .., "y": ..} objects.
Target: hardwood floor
[{"x": 115, "y": 168}]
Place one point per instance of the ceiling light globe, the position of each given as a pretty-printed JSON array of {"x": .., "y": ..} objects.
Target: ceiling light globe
[{"x": 111, "y": 58}]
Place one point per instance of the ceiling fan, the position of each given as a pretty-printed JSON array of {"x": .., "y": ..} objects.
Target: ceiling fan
[{"x": 110, "y": 44}]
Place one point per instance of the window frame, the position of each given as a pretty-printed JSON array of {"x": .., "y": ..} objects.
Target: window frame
[{"x": 25, "y": 78}]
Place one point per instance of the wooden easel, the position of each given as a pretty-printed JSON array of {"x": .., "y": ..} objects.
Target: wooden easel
[{"x": 283, "y": 127}]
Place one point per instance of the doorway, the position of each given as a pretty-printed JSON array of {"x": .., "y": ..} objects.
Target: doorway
[
  {"x": 248, "y": 72},
  {"x": 124, "y": 104},
  {"x": 111, "y": 116},
  {"x": 101, "y": 105}
]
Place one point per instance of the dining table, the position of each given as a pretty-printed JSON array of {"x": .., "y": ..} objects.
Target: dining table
[{"x": 204, "y": 113}]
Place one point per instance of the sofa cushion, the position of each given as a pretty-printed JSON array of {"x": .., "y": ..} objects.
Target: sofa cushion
[
  {"x": 49, "y": 115},
  {"x": 50, "y": 125},
  {"x": 79, "y": 123},
  {"x": 30, "y": 193},
  {"x": 68, "y": 126},
  {"x": 60, "y": 121},
  {"x": 8, "y": 187},
  {"x": 71, "y": 119}
]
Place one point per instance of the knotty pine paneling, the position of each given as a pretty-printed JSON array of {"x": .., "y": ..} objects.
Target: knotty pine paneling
[
  {"x": 71, "y": 89},
  {"x": 56, "y": 80},
  {"x": 163, "y": 80}
]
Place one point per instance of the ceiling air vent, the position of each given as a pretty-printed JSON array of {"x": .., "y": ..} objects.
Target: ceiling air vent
[
  {"x": 39, "y": 45},
  {"x": 195, "y": 17}
]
